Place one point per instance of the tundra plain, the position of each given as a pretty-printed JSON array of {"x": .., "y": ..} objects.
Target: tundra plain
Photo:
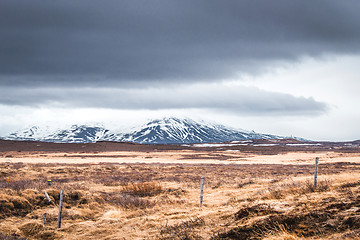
[{"x": 263, "y": 190}]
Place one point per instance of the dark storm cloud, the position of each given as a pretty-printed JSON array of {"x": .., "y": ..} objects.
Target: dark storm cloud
[
  {"x": 240, "y": 100},
  {"x": 91, "y": 42}
]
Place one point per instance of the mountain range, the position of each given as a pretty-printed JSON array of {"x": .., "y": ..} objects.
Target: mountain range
[{"x": 159, "y": 131}]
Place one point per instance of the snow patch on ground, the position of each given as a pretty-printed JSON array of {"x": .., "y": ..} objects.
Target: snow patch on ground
[
  {"x": 303, "y": 144},
  {"x": 217, "y": 145},
  {"x": 265, "y": 145}
]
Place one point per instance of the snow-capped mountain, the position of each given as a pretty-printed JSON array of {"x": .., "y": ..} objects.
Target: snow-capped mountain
[
  {"x": 175, "y": 131},
  {"x": 161, "y": 131},
  {"x": 32, "y": 133},
  {"x": 81, "y": 134},
  {"x": 75, "y": 134}
]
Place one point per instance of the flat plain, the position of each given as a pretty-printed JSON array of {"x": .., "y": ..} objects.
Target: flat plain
[{"x": 262, "y": 190}]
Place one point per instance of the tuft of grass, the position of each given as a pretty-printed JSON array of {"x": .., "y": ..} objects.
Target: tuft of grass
[
  {"x": 31, "y": 228},
  {"x": 256, "y": 210},
  {"x": 322, "y": 186},
  {"x": 145, "y": 189},
  {"x": 127, "y": 201},
  {"x": 4, "y": 236},
  {"x": 13, "y": 206},
  {"x": 245, "y": 183},
  {"x": 281, "y": 190},
  {"x": 349, "y": 185},
  {"x": 182, "y": 231}
]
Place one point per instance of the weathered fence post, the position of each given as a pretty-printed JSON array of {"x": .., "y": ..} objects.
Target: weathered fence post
[
  {"x": 60, "y": 208},
  {"x": 201, "y": 190},
  {"x": 44, "y": 217},
  {"x": 316, "y": 171},
  {"x": 47, "y": 197}
]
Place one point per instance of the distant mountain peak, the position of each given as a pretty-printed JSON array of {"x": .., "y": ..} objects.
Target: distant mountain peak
[
  {"x": 172, "y": 130},
  {"x": 168, "y": 130}
]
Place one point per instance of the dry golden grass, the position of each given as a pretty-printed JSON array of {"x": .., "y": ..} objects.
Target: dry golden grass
[
  {"x": 142, "y": 189},
  {"x": 161, "y": 201}
]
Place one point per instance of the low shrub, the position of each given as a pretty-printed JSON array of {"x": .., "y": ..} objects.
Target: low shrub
[
  {"x": 31, "y": 228},
  {"x": 184, "y": 230},
  {"x": 4, "y": 236},
  {"x": 54, "y": 194},
  {"x": 142, "y": 189},
  {"x": 349, "y": 185},
  {"x": 256, "y": 210},
  {"x": 19, "y": 185},
  {"x": 281, "y": 190},
  {"x": 14, "y": 206},
  {"x": 245, "y": 183},
  {"x": 322, "y": 186},
  {"x": 127, "y": 201}
]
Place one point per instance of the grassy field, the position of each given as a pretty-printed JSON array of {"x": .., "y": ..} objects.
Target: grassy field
[{"x": 161, "y": 201}]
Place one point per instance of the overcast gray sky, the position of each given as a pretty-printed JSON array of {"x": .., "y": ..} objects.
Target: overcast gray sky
[{"x": 281, "y": 67}]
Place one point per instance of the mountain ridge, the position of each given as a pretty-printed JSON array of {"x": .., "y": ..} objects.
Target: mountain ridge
[{"x": 167, "y": 130}]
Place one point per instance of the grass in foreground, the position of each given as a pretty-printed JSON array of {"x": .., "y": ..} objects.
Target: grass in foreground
[{"x": 161, "y": 201}]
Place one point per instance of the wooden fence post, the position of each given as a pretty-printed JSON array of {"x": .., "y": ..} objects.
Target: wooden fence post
[
  {"x": 60, "y": 208},
  {"x": 44, "y": 217},
  {"x": 316, "y": 171},
  {"x": 201, "y": 190},
  {"x": 47, "y": 197}
]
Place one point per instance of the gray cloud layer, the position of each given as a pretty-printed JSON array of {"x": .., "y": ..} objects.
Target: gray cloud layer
[
  {"x": 241, "y": 100},
  {"x": 110, "y": 42}
]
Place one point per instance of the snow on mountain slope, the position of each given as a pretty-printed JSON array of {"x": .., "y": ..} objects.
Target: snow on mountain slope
[
  {"x": 30, "y": 134},
  {"x": 75, "y": 134},
  {"x": 82, "y": 134},
  {"x": 160, "y": 131},
  {"x": 179, "y": 131}
]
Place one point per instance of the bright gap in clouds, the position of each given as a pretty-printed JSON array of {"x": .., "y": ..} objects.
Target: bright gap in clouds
[{"x": 333, "y": 80}]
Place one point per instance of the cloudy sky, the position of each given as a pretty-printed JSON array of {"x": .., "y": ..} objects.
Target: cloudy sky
[{"x": 281, "y": 67}]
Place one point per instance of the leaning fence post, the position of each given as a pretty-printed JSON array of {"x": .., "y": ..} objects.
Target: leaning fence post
[
  {"x": 201, "y": 190},
  {"x": 316, "y": 171},
  {"x": 47, "y": 197},
  {"x": 60, "y": 208}
]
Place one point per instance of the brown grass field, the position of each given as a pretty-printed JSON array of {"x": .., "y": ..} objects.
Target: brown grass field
[{"x": 152, "y": 192}]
